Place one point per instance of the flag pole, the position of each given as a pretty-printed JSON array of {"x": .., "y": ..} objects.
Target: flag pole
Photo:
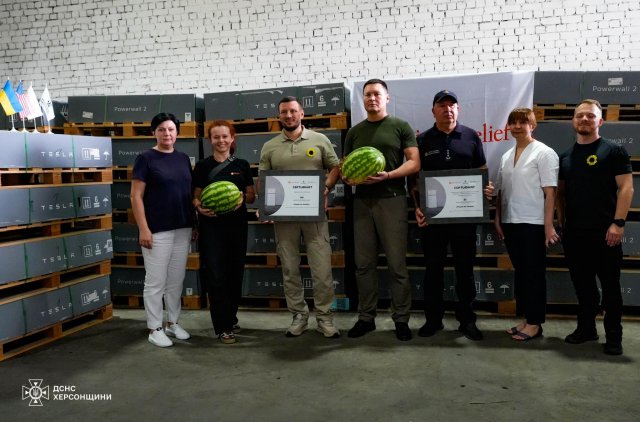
[{"x": 13, "y": 127}]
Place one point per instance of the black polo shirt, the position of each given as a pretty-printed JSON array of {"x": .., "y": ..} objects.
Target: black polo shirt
[{"x": 460, "y": 149}]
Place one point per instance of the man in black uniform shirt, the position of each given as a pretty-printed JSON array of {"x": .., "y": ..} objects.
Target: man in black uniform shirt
[
  {"x": 594, "y": 195},
  {"x": 447, "y": 146}
]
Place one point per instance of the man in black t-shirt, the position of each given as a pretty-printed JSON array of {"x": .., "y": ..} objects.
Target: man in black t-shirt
[{"x": 595, "y": 189}]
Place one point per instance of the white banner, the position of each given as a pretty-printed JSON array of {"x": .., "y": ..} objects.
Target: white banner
[{"x": 485, "y": 102}]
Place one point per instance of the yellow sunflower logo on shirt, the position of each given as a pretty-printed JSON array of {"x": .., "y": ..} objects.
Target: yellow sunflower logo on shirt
[
  {"x": 592, "y": 160},
  {"x": 311, "y": 152}
]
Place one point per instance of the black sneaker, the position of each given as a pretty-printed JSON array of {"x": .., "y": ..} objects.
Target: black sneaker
[
  {"x": 612, "y": 348},
  {"x": 429, "y": 329},
  {"x": 361, "y": 328},
  {"x": 580, "y": 336},
  {"x": 470, "y": 331},
  {"x": 403, "y": 332}
]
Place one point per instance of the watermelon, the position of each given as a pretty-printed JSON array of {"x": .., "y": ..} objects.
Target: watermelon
[
  {"x": 362, "y": 163},
  {"x": 221, "y": 197}
]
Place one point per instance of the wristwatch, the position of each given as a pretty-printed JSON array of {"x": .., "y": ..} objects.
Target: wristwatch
[{"x": 619, "y": 222}]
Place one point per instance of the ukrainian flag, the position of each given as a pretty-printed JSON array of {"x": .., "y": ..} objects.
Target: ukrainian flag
[{"x": 9, "y": 100}]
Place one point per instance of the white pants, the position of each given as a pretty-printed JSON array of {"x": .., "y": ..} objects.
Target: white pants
[{"x": 165, "y": 265}]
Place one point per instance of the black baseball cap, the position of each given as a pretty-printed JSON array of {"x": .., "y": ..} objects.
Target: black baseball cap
[{"x": 444, "y": 94}]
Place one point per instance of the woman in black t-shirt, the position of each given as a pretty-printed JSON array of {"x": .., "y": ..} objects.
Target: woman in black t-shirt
[
  {"x": 223, "y": 238},
  {"x": 161, "y": 202}
]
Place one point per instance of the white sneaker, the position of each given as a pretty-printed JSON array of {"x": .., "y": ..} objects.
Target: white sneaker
[
  {"x": 159, "y": 338},
  {"x": 298, "y": 325},
  {"x": 327, "y": 328},
  {"x": 174, "y": 330}
]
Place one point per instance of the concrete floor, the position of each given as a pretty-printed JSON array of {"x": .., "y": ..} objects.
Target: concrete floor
[{"x": 267, "y": 377}]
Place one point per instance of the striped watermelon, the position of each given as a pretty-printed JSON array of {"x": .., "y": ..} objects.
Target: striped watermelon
[
  {"x": 221, "y": 197},
  {"x": 361, "y": 163}
]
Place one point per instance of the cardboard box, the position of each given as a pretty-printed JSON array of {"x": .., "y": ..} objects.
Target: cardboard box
[
  {"x": 132, "y": 108},
  {"x": 13, "y": 150},
  {"x": 336, "y": 196},
  {"x": 262, "y": 103},
  {"x": 46, "y": 150},
  {"x": 88, "y": 248},
  {"x": 635, "y": 201},
  {"x": 12, "y": 317},
  {"x": 51, "y": 203},
  {"x": 612, "y": 87},
  {"x": 560, "y": 288},
  {"x": 125, "y": 151},
  {"x": 47, "y": 309},
  {"x": 92, "y": 151},
  {"x": 487, "y": 241},
  {"x": 92, "y": 199},
  {"x": 631, "y": 239},
  {"x": 559, "y": 136},
  {"x": 416, "y": 278},
  {"x": 494, "y": 285},
  {"x": 121, "y": 195},
  {"x": 626, "y": 134},
  {"x": 267, "y": 282},
  {"x": 557, "y": 87},
  {"x": 262, "y": 238},
  {"x": 45, "y": 256},
  {"x": 248, "y": 147},
  {"x": 125, "y": 238},
  {"x": 18, "y": 213},
  {"x": 87, "y": 109},
  {"x": 90, "y": 295},
  {"x": 223, "y": 106},
  {"x": 324, "y": 99},
  {"x": 12, "y": 262},
  {"x": 186, "y": 107},
  {"x": 130, "y": 282}
]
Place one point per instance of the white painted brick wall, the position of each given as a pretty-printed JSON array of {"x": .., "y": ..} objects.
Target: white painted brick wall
[{"x": 84, "y": 47}]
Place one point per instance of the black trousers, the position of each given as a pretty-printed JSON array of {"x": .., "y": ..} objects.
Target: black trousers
[
  {"x": 589, "y": 256},
  {"x": 525, "y": 244},
  {"x": 435, "y": 240},
  {"x": 223, "y": 247}
]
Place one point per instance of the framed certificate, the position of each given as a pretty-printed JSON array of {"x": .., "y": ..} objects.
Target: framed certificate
[
  {"x": 454, "y": 196},
  {"x": 292, "y": 195}
]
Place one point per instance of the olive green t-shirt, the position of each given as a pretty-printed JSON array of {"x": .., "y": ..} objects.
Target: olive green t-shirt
[
  {"x": 312, "y": 151},
  {"x": 390, "y": 136}
]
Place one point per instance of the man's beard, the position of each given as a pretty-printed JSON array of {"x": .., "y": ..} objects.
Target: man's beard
[{"x": 291, "y": 128}]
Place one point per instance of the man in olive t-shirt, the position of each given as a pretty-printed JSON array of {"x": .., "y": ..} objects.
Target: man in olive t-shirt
[{"x": 380, "y": 210}]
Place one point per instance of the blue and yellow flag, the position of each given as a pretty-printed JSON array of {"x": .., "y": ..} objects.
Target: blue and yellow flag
[{"x": 8, "y": 100}]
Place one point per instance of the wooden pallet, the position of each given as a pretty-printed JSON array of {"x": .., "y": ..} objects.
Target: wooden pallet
[
  {"x": 33, "y": 340},
  {"x": 127, "y": 129},
  {"x": 122, "y": 173},
  {"x": 54, "y": 228},
  {"x": 610, "y": 112},
  {"x": 36, "y": 285},
  {"x": 137, "y": 302},
  {"x": 38, "y": 176},
  {"x": 272, "y": 124},
  {"x": 135, "y": 259}
]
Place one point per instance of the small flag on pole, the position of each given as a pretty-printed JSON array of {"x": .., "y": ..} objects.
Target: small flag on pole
[
  {"x": 34, "y": 107},
  {"x": 24, "y": 101},
  {"x": 8, "y": 100},
  {"x": 47, "y": 106}
]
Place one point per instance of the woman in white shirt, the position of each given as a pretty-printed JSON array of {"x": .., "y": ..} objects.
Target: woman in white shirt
[{"x": 526, "y": 190}]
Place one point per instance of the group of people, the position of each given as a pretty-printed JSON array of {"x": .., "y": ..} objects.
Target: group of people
[{"x": 588, "y": 189}]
